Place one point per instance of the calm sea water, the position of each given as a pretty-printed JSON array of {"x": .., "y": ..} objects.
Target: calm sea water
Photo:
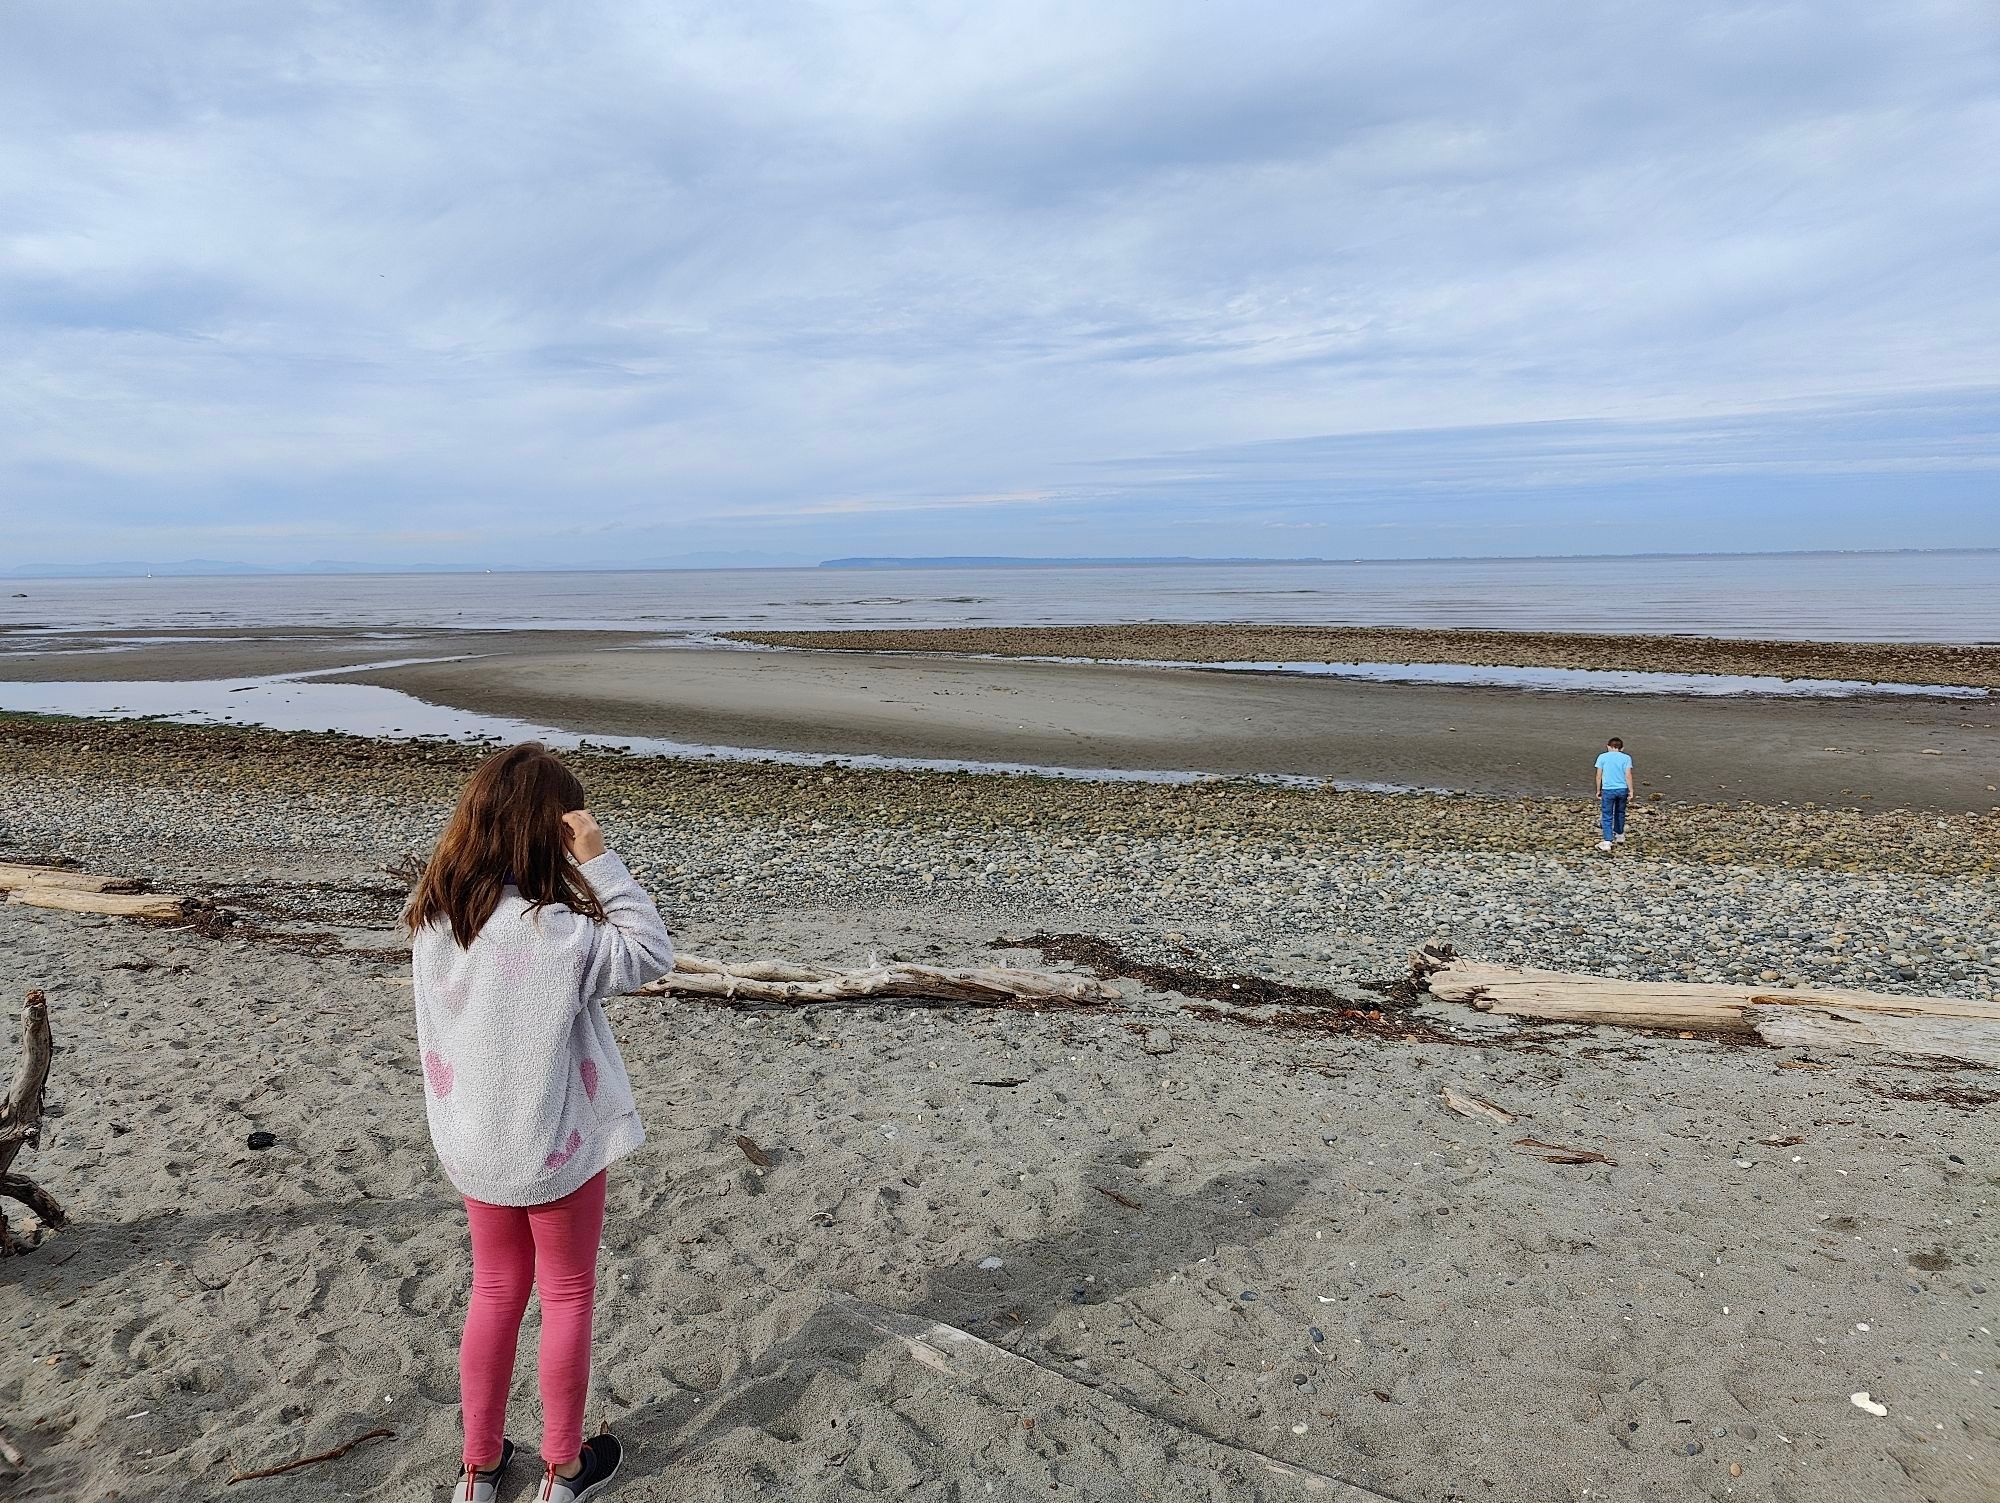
[{"x": 1890, "y": 597}]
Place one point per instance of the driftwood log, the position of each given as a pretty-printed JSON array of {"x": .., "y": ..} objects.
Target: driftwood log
[
  {"x": 85, "y": 892},
  {"x": 21, "y": 1122},
  {"x": 115, "y": 904},
  {"x": 780, "y": 984},
  {"x": 1838, "y": 1021},
  {"x": 14, "y": 877}
]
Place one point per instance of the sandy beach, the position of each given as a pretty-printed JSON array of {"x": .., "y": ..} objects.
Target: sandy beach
[{"x": 1271, "y": 1244}]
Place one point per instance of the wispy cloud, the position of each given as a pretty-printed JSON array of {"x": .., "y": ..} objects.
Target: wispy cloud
[{"x": 817, "y": 277}]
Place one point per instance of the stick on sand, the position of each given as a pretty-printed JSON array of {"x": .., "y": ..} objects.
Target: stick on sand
[{"x": 291, "y": 1466}]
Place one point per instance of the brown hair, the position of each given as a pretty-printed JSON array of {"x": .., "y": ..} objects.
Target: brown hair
[
  {"x": 508, "y": 827},
  {"x": 1615, "y": 742}
]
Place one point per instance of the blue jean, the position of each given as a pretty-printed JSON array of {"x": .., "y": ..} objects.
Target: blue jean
[{"x": 1615, "y": 800}]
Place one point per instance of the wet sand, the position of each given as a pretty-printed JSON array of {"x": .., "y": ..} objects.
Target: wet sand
[
  {"x": 1863, "y": 752},
  {"x": 1977, "y": 665},
  {"x": 164, "y": 656},
  {"x": 1919, "y": 754}
]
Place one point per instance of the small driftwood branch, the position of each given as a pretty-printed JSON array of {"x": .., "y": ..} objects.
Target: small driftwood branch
[
  {"x": 777, "y": 983},
  {"x": 21, "y": 1122},
  {"x": 1838, "y": 1021},
  {"x": 1557, "y": 1153},
  {"x": 292, "y": 1466},
  {"x": 1468, "y": 1105}
]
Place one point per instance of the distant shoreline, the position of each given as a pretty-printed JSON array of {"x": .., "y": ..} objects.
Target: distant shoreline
[{"x": 233, "y": 569}]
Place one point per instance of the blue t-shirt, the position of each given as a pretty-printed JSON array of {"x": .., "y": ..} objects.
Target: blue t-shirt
[{"x": 1617, "y": 770}]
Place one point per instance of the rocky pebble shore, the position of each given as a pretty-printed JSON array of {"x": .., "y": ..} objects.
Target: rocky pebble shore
[
  {"x": 1301, "y": 883},
  {"x": 1943, "y": 663}
]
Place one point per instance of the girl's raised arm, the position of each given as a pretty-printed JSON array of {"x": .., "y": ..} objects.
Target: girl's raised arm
[{"x": 631, "y": 946}]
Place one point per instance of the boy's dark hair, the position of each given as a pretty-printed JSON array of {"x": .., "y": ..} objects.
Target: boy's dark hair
[{"x": 1615, "y": 744}]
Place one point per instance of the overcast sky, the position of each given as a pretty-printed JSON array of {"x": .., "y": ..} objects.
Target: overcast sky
[{"x": 589, "y": 282}]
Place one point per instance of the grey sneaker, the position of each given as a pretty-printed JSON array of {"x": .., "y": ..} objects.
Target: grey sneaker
[
  {"x": 1604, "y": 845},
  {"x": 601, "y": 1455},
  {"x": 483, "y": 1487}
]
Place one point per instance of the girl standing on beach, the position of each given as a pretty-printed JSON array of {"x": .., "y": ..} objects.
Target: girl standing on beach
[{"x": 522, "y": 924}]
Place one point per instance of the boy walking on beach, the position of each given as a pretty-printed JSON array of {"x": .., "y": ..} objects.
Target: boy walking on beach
[{"x": 1614, "y": 791}]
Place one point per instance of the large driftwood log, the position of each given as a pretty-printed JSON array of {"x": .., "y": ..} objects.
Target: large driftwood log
[
  {"x": 85, "y": 892},
  {"x": 14, "y": 877},
  {"x": 776, "y": 983},
  {"x": 115, "y": 904},
  {"x": 21, "y": 1121},
  {"x": 1848, "y": 1030},
  {"x": 1836, "y": 1020}
]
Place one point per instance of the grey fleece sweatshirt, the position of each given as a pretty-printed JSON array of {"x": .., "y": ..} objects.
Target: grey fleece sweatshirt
[{"x": 523, "y": 1084}]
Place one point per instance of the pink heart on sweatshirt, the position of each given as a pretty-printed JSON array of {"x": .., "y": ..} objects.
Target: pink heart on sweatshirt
[
  {"x": 557, "y": 1160},
  {"x": 440, "y": 1071},
  {"x": 588, "y": 1070},
  {"x": 515, "y": 966}
]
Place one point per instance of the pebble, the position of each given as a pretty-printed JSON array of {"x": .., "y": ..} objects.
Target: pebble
[
  {"x": 1158, "y": 1041},
  {"x": 1693, "y": 1448},
  {"x": 990, "y": 1263}
]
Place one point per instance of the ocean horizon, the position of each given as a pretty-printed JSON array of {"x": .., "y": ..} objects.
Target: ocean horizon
[{"x": 1923, "y": 596}]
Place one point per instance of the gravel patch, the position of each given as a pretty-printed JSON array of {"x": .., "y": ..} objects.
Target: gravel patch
[{"x": 1222, "y": 882}]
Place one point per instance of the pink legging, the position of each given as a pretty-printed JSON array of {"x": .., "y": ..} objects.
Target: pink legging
[{"x": 552, "y": 1248}]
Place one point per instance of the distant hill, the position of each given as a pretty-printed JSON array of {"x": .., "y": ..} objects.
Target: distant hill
[
  {"x": 210, "y": 567},
  {"x": 1002, "y": 561},
  {"x": 129, "y": 569}
]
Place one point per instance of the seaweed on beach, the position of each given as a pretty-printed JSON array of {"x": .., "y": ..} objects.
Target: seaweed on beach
[
  {"x": 1945, "y": 1093},
  {"x": 1300, "y": 1008},
  {"x": 1394, "y": 1027},
  {"x": 1112, "y": 963},
  {"x": 244, "y": 917}
]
